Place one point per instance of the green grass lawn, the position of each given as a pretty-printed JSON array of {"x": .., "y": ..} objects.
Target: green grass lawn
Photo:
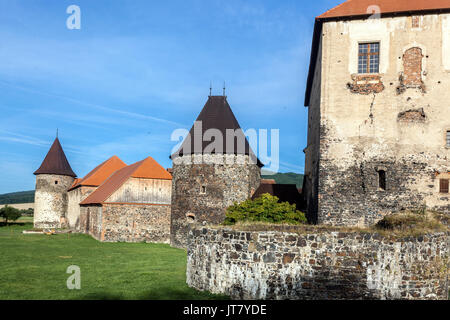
[{"x": 34, "y": 267}]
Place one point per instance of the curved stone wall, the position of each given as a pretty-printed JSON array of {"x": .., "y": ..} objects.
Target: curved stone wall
[
  {"x": 203, "y": 186},
  {"x": 50, "y": 200},
  {"x": 327, "y": 265}
]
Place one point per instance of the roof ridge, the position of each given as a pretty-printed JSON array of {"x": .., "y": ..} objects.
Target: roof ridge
[
  {"x": 116, "y": 187},
  {"x": 339, "y": 5}
]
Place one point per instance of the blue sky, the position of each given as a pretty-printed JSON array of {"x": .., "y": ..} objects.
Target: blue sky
[{"x": 139, "y": 69}]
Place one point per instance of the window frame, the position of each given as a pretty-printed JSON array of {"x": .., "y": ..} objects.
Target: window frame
[
  {"x": 441, "y": 183},
  {"x": 447, "y": 138},
  {"x": 369, "y": 55}
]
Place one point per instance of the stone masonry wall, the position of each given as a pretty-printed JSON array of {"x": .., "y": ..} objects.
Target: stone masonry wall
[
  {"x": 75, "y": 196},
  {"x": 224, "y": 184},
  {"x": 329, "y": 265},
  {"x": 127, "y": 222},
  {"x": 50, "y": 203}
]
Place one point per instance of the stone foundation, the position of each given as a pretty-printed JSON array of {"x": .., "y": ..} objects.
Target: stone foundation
[
  {"x": 127, "y": 222},
  {"x": 329, "y": 265}
]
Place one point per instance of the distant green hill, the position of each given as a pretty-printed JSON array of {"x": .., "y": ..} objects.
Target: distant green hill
[
  {"x": 286, "y": 178},
  {"x": 17, "y": 197}
]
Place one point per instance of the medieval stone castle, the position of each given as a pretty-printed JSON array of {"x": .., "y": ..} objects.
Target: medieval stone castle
[
  {"x": 144, "y": 201},
  {"x": 378, "y": 95}
]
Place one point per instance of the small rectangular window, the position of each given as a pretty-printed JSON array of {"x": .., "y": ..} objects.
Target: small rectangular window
[
  {"x": 382, "y": 180},
  {"x": 415, "y": 21},
  {"x": 447, "y": 139},
  {"x": 369, "y": 57},
  {"x": 444, "y": 186},
  {"x": 203, "y": 190}
]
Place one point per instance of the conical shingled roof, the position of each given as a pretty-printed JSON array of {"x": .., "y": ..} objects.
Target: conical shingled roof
[
  {"x": 100, "y": 173},
  {"x": 216, "y": 114},
  {"x": 56, "y": 162},
  {"x": 145, "y": 169}
]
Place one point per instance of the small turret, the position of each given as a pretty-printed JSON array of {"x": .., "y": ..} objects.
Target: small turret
[
  {"x": 53, "y": 178},
  {"x": 207, "y": 180}
]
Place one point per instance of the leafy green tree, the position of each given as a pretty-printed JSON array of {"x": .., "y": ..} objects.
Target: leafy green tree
[
  {"x": 266, "y": 208},
  {"x": 10, "y": 213}
]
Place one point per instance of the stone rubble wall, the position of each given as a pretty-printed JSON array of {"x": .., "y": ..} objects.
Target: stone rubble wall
[
  {"x": 227, "y": 179},
  {"x": 328, "y": 265},
  {"x": 127, "y": 222},
  {"x": 50, "y": 202}
]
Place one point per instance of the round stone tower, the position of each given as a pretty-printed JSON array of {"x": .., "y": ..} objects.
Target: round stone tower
[
  {"x": 53, "y": 179},
  {"x": 213, "y": 168}
]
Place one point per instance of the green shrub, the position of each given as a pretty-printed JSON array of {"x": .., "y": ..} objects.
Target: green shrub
[{"x": 267, "y": 208}]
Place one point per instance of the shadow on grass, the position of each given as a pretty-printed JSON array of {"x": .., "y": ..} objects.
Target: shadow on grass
[
  {"x": 176, "y": 294},
  {"x": 13, "y": 224},
  {"x": 102, "y": 296},
  {"x": 160, "y": 294}
]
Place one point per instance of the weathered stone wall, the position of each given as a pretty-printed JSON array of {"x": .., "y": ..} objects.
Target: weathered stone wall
[
  {"x": 75, "y": 196},
  {"x": 225, "y": 179},
  {"x": 329, "y": 265},
  {"x": 127, "y": 222},
  {"x": 394, "y": 121},
  {"x": 50, "y": 202}
]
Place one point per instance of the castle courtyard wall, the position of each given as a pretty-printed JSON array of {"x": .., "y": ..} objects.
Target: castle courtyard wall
[
  {"x": 127, "y": 222},
  {"x": 75, "y": 196},
  {"x": 325, "y": 265}
]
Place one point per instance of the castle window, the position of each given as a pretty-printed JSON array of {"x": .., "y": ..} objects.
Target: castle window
[
  {"x": 369, "y": 57},
  {"x": 56, "y": 182},
  {"x": 382, "y": 179},
  {"x": 447, "y": 138},
  {"x": 444, "y": 185},
  {"x": 416, "y": 21},
  {"x": 203, "y": 190}
]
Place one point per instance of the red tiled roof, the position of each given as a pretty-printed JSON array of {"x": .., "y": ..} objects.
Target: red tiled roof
[
  {"x": 75, "y": 183},
  {"x": 102, "y": 172},
  {"x": 55, "y": 162},
  {"x": 360, "y": 7},
  {"x": 268, "y": 181},
  {"x": 147, "y": 168}
]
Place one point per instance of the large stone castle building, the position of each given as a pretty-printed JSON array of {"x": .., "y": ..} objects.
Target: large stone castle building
[
  {"x": 213, "y": 168},
  {"x": 378, "y": 96}
]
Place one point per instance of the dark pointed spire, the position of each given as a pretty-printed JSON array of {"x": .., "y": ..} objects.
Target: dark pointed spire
[
  {"x": 56, "y": 162},
  {"x": 216, "y": 114}
]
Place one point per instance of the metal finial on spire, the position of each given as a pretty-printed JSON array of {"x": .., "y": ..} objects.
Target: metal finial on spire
[
  {"x": 224, "y": 88},
  {"x": 210, "y": 88}
]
